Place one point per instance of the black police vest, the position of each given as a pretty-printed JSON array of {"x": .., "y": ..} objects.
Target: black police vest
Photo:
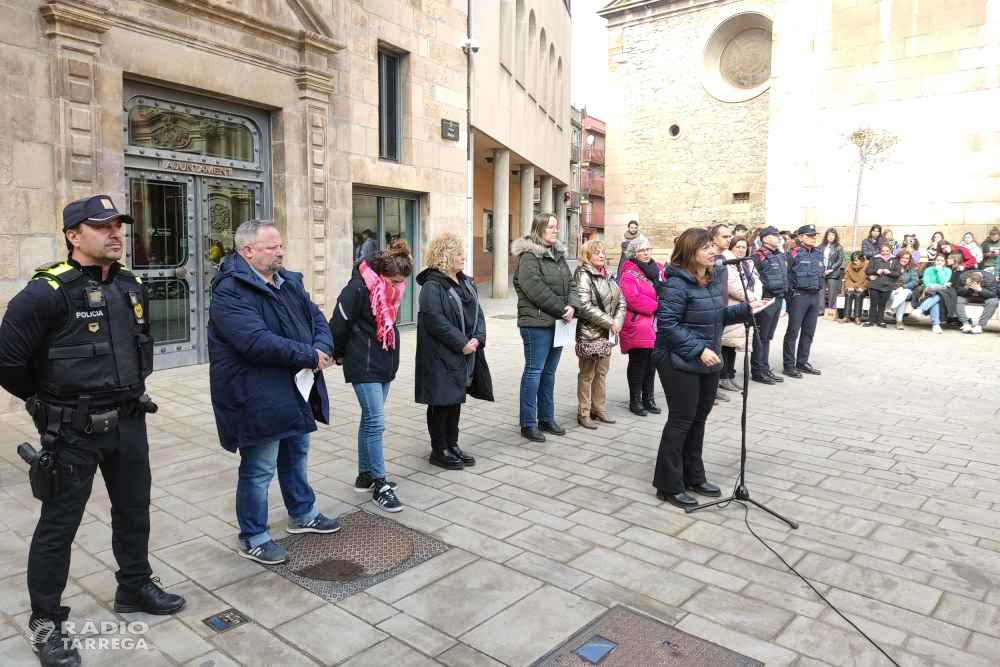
[
  {"x": 805, "y": 268},
  {"x": 102, "y": 347},
  {"x": 773, "y": 272}
]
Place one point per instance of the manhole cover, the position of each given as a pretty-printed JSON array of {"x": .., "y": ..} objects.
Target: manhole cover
[
  {"x": 366, "y": 550},
  {"x": 623, "y": 638},
  {"x": 505, "y": 317}
]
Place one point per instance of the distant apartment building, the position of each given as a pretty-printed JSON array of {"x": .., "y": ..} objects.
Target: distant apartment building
[
  {"x": 592, "y": 178},
  {"x": 573, "y": 196}
]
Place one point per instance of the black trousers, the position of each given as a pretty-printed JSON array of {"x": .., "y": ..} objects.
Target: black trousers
[
  {"x": 690, "y": 397},
  {"x": 641, "y": 373},
  {"x": 123, "y": 457},
  {"x": 854, "y": 301},
  {"x": 803, "y": 309},
  {"x": 767, "y": 323},
  {"x": 728, "y": 363},
  {"x": 442, "y": 424},
  {"x": 877, "y": 301}
]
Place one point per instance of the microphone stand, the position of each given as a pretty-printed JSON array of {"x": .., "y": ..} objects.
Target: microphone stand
[{"x": 740, "y": 491}]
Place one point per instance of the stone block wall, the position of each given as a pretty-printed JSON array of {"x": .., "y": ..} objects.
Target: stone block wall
[{"x": 671, "y": 183}]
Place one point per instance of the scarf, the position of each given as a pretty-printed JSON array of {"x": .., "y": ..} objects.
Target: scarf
[
  {"x": 747, "y": 268},
  {"x": 628, "y": 236},
  {"x": 385, "y": 302},
  {"x": 650, "y": 270}
]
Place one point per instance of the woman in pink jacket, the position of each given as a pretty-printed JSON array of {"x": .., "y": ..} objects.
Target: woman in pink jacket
[{"x": 638, "y": 278}]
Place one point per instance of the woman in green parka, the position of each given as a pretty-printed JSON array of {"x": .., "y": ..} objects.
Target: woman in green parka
[{"x": 546, "y": 292}]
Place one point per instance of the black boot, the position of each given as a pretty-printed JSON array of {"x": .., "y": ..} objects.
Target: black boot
[
  {"x": 150, "y": 599},
  {"x": 467, "y": 459},
  {"x": 54, "y": 650},
  {"x": 443, "y": 458},
  {"x": 635, "y": 402},
  {"x": 649, "y": 402}
]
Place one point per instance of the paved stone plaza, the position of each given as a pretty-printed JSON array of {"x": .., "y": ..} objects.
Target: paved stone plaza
[{"x": 889, "y": 461}]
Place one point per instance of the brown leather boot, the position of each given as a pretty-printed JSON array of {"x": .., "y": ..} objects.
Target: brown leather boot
[
  {"x": 845, "y": 320},
  {"x": 586, "y": 422},
  {"x": 601, "y": 416}
]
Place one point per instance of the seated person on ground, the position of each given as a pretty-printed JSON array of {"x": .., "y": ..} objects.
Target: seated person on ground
[
  {"x": 976, "y": 287},
  {"x": 855, "y": 287}
]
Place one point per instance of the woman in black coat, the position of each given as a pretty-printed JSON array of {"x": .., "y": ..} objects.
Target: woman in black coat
[
  {"x": 833, "y": 265},
  {"x": 450, "y": 328},
  {"x": 690, "y": 318},
  {"x": 873, "y": 242},
  {"x": 882, "y": 272}
]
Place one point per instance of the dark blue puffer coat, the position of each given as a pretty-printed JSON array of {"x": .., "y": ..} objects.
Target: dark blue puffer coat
[
  {"x": 691, "y": 317},
  {"x": 254, "y": 358}
]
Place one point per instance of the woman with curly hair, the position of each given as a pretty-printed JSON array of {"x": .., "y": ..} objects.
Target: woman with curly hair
[{"x": 450, "y": 328}]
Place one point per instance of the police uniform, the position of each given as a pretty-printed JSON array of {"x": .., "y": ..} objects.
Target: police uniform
[
  {"x": 773, "y": 270},
  {"x": 76, "y": 346},
  {"x": 806, "y": 277}
]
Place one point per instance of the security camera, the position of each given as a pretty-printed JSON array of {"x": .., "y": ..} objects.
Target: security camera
[{"x": 470, "y": 43}]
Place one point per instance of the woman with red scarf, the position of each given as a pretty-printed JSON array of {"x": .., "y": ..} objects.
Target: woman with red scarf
[{"x": 366, "y": 343}]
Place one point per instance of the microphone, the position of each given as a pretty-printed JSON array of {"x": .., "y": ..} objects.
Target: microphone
[{"x": 727, "y": 262}]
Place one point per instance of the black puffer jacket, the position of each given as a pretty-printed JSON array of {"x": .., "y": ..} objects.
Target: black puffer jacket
[
  {"x": 884, "y": 282},
  {"x": 989, "y": 290},
  {"x": 870, "y": 248},
  {"x": 691, "y": 317},
  {"x": 449, "y": 317},
  {"x": 353, "y": 329},
  {"x": 543, "y": 282}
]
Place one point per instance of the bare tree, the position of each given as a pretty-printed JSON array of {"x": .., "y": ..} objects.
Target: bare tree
[{"x": 873, "y": 148}]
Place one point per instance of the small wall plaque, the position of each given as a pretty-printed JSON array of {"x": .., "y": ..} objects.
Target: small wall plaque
[{"x": 449, "y": 129}]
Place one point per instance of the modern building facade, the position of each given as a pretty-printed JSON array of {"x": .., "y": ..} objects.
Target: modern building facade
[
  {"x": 592, "y": 169},
  {"x": 737, "y": 111},
  {"x": 325, "y": 116},
  {"x": 575, "y": 155}
]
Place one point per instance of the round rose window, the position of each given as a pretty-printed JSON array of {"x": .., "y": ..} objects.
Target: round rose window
[{"x": 746, "y": 59}]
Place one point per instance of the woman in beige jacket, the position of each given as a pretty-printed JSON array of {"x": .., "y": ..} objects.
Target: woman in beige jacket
[
  {"x": 734, "y": 336},
  {"x": 602, "y": 312}
]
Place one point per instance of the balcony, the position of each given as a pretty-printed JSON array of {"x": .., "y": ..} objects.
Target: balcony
[
  {"x": 593, "y": 155},
  {"x": 592, "y": 220},
  {"x": 574, "y": 153},
  {"x": 573, "y": 200},
  {"x": 592, "y": 185}
]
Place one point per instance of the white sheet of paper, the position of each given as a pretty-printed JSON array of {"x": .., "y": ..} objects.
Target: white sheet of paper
[
  {"x": 767, "y": 304},
  {"x": 612, "y": 337},
  {"x": 304, "y": 380},
  {"x": 565, "y": 333}
]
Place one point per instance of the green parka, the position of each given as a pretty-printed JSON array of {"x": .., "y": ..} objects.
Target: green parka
[{"x": 543, "y": 282}]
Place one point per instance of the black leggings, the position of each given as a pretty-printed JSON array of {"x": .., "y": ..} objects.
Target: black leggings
[
  {"x": 641, "y": 372},
  {"x": 690, "y": 397},
  {"x": 877, "y": 300},
  {"x": 728, "y": 363},
  {"x": 442, "y": 424},
  {"x": 853, "y": 300}
]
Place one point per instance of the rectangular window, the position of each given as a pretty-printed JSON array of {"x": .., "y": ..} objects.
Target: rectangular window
[
  {"x": 487, "y": 232},
  {"x": 741, "y": 197},
  {"x": 389, "y": 107}
]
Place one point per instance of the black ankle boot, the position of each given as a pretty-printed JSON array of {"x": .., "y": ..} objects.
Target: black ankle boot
[
  {"x": 445, "y": 459},
  {"x": 635, "y": 403},
  {"x": 54, "y": 650},
  {"x": 467, "y": 459},
  {"x": 649, "y": 403},
  {"x": 150, "y": 599}
]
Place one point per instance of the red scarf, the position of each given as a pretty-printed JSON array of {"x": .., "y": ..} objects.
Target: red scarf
[{"x": 385, "y": 300}]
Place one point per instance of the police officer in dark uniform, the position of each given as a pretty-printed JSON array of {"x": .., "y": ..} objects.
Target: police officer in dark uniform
[
  {"x": 805, "y": 277},
  {"x": 773, "y": 269},
  {"x": 75, "y": 344}
]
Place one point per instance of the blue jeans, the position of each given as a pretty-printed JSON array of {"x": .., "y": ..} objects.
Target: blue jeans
[
  {"x": 257, "y": 466},
  {"x": 930, "y": 305},
  {"x": 539, "y": 377},
  {"x": 901, "y": 308},
  {"x": 371, "y": 396}
]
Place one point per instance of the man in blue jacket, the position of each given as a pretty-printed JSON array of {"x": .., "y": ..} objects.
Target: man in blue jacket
[{"x": 263, "y": 330}]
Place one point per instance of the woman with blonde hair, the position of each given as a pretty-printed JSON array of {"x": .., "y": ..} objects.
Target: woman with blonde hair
[
  {"x": 450, "y": 329},
  {"x": 602, "y": 312}
]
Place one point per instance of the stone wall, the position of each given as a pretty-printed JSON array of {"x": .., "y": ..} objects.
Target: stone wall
[
  {"x": 927, "y": 71},
  {"x": 671, "y": 183}
]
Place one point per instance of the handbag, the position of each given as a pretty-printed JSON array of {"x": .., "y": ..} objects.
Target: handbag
[
  {"x": 594, "y": 349},
  {"x": 482, "y": 381}
]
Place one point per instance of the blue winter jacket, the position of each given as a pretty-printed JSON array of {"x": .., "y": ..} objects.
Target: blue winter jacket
[
  {"x": 254, "y": 359},
  {"x": 690, "y": 317}
]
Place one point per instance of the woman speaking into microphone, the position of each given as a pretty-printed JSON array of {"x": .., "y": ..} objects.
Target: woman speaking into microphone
[{"x": 691, "y": 317}]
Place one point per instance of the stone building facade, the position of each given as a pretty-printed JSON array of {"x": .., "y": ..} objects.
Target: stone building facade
[
  {"x": 197, "y": 116},
  {"x": 691, "y": 142}
]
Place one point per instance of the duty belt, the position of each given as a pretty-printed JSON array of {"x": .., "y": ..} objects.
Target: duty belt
[{"x": 82, "y": 418}]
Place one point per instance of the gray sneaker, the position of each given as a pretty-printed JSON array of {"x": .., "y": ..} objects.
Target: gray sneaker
[
  {"x": 320, "y": 524},
  {"x": 268, "y": 553}
]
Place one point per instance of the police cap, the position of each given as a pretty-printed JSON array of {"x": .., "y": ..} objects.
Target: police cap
[
  {"x": 767, "y": 231},
  {"x": 96, "y": 210},
  {"x": 808, "y": 230}
]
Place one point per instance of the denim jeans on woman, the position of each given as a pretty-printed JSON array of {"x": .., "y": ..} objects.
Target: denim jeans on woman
[
  {"x": 539, "y": 377},
  {"x": 901, "y": 308},
  {"x": 257, "y": 466},
  {"x": 930, "y": 305},
  {"x": 371, "y": 397}
]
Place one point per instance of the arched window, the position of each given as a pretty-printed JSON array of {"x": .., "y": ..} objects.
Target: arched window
[
  {"x": 560, "y": 93},
  {"x": 519, "y": 46},
  {"x": 532, "y": 59},
  {"x": 551, "y": 81},
  {"x": 540, "y": 82},
  {"x": 506, "y": 35}
]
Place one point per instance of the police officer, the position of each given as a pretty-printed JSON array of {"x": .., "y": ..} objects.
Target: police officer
[
  {"x": 805, "y": 277},
  {"x": 75, "y": 344},
  {"x": 773, "y": 269}
]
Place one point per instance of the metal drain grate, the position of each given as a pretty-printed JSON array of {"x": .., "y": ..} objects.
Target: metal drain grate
[
  {"x": 621, "y": 637},
  {"x": 367, "y": 549},
  {"x": 227, "y": 620}
]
